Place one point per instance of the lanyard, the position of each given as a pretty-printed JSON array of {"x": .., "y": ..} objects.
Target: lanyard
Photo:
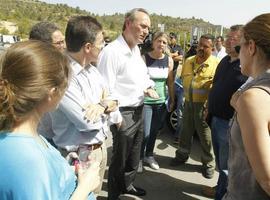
[
  {"x": 198, "y": 70},
  {"x": 195, "y": 72}
]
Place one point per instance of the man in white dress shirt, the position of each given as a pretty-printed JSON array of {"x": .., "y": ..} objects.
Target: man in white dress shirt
[
  {"x": 220, "y": 51},
  {"x": 123, "y": 68}
]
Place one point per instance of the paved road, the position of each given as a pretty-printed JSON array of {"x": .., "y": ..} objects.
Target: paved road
[{"x": 169, "y": 183}]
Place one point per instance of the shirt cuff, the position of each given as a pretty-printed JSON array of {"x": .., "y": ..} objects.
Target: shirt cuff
[{"x": 115, "y": 117}]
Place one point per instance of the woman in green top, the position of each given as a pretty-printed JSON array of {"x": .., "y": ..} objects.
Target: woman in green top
[{"x": 160, "y": 70}]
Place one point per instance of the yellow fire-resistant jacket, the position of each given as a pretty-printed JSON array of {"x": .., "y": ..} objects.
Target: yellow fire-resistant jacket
[{"x": 198, "y": 78}]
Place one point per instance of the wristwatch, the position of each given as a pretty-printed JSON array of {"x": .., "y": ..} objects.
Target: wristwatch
[{"x": 104, "y": 105}]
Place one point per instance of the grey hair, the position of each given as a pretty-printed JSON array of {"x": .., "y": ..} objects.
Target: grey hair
[{"x": 130, "y": 15}]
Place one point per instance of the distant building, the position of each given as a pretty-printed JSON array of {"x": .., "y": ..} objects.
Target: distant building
[
  {"x": 198, "y": 31},
  {"x": 7, "y": 40}
]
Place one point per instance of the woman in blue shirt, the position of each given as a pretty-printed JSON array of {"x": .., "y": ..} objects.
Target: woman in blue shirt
[{"x": 33, "y": 78}]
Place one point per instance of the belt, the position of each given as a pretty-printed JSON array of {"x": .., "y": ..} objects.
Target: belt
[
  {"x": 92, "y": 146},
  {"x": 131, "y": 108}
]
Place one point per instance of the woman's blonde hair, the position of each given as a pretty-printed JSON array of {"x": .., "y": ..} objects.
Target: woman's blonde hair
[
  {"x": 28, "y": 71},
  {"x": 160, "y": 34}
]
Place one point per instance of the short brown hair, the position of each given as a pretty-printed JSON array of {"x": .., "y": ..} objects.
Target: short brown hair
[
  {"x": 43, "y": 31},
  {"x": 81, "y": 30},
  {"x": 29, "y": 70},
  {"x": 208, "y": 37}
]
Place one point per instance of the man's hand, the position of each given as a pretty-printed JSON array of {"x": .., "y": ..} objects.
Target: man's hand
[
  {"x": 150, "y": 92},
  {"x": 171, "y": 106},
  {"x": 174, "y": 54},
  {"x": 118, "y": 125},
  {"x": 93, "y": 112}
]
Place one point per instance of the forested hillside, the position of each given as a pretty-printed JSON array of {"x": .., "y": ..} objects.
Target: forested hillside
[{"x": 25, "y": 13}]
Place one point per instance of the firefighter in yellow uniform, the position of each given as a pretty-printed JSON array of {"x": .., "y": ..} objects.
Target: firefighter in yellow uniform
[{"x": 197, "y": 75}]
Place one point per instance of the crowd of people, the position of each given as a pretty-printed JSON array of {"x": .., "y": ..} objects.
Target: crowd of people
[{"x": 60, "y": 97}]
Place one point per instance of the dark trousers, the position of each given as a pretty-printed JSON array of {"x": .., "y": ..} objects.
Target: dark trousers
[
  {"x": 193, "y": 120},
  {"x": 220, "y": 138},
  {"x": 127, "y": 141}
]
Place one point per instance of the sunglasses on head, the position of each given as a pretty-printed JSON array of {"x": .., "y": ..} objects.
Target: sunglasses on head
[{"x": 237, "y": 48}]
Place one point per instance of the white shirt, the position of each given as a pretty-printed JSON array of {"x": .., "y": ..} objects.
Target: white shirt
[
  {"x": 125, "y": 72},
  {"x": 221, "y": 53}
]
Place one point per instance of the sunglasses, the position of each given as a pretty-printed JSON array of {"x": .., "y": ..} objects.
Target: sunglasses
[{"x": 237, "y": 48}]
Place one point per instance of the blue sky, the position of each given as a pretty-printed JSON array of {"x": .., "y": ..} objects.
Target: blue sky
[{"x": 226, "y": 12}]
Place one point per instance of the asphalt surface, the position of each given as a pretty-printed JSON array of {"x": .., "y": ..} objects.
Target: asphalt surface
[{"x": 184, "y": 182}]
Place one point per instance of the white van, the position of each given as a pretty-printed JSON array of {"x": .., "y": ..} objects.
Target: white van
[{"x": 7, "y": 40}]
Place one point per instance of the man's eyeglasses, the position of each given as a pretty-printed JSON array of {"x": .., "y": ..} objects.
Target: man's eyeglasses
[
  {"x": 100, "y": 47},
  {"x": 237, "y": 48},
  {"x": 58, "y": 43}
]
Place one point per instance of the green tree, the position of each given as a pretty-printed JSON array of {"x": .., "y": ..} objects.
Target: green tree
[
  {"x": 4, "y": 31},
  {"x": 24, "y": 28},
  {"x": 112, "y": 26}
]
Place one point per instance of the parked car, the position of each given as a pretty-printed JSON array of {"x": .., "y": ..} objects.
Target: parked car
[{"x": 174, "y": 118}]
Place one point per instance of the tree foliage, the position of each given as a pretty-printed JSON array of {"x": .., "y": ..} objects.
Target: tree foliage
[
  {"x": 4, "y": 31},
  {"x": 28, "y": 12}
]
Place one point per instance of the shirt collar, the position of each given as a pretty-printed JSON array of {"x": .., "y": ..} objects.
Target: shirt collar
[
  {"x": 234, "y": 61},
  {"x": 125, "y": 48},
  {"x": 76, "y": 67},
  {"x": 207, "y": 62}
]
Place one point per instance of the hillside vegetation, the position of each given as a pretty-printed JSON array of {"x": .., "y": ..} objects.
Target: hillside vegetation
[{"x": 25, "y": 13}]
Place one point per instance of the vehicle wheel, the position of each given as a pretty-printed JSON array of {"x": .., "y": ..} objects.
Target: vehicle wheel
[{"x": 172, "y": 119}]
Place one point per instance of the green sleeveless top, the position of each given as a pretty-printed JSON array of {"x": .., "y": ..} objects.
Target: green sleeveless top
[{"x": 158, "y": 72}]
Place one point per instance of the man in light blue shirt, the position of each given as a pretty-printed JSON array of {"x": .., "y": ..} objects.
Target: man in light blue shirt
[
  {"x": 80, "y": 120},
  {"x": 50, "y": 33}
]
